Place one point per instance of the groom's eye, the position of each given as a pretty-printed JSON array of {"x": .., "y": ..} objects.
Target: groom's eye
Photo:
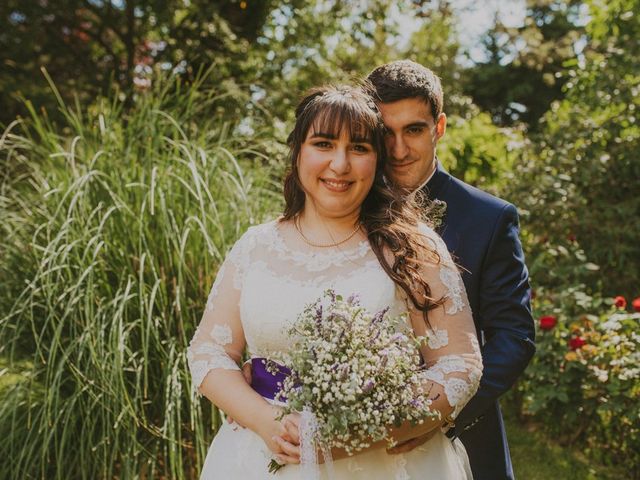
[{"x": 415, "y": 130}]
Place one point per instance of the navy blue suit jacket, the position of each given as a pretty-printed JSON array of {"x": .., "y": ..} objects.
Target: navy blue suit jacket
[{"x": 481, "y": 232}]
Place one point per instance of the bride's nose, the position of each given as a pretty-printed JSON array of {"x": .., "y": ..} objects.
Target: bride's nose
[{"x": 340, "y": 162}]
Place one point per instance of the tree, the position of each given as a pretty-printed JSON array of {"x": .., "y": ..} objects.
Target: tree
[
  {"x": 579, "y": 182},
  {"x": 524, "y": 72},
  {"x": 86, "y": 45}
]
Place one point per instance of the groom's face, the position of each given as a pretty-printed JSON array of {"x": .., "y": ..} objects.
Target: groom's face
[{"x": 411, "y": 138}]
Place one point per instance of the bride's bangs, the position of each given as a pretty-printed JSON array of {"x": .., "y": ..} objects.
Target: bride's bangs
[
  {"x": 332, "y": 117},
  {"x": 328, "y": 111}
]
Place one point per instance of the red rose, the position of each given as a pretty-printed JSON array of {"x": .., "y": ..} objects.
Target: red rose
[
  {"x": 620, "y": 302},
  {"x": 577, "y": 342},
  {"x": 548, "y": 322},
  {"x": 636, "y": 304}
]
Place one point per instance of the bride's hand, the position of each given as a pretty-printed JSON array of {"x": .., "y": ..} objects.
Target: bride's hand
[
  {"x": 275, "y": 435},
  {"x": 289, "y": 443},
  {"x": 291, "y": 423}
]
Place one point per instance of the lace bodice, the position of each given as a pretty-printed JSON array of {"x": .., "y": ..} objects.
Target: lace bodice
[{"x": 264, "y": 283}]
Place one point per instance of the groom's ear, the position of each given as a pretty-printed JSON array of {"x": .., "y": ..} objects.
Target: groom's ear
[{"x": 441, "y": 125}]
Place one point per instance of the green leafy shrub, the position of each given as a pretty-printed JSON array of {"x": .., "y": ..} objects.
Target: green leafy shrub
[
  {"x": 576, "y": 188},
  {"x": 477, "y": 151},
  {"x": 583, "y": 384},
  {"x": 580, "y": 178}
]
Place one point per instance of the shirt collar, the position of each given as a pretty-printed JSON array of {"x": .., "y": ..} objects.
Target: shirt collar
[
  {"x": 433, "y": 186},
  {"x": 423, "y": 184}
]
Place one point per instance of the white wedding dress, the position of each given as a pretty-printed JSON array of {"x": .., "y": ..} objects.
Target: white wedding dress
[{"x": 265, "y": 282}]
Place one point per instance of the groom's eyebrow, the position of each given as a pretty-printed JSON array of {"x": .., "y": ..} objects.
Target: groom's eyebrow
[{"x": 417, "y": 124}]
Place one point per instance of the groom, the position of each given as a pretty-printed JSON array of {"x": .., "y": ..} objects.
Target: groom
[{"x": 481, "y": 231}]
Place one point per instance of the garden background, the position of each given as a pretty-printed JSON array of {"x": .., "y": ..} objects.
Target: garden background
[{"x": 140, "y": 138}]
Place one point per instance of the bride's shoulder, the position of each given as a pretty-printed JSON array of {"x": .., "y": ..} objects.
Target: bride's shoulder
[
  {"x": 426, "y": 229},
  {"x": 257, "y": 233},
  {"x": 266, "y": 228},
  {"x": 434, "y": 240},
  {"x": 428, "y": 232}
]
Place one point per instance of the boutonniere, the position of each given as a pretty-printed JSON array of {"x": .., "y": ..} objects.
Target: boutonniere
[{"x": 436, "y": 212}]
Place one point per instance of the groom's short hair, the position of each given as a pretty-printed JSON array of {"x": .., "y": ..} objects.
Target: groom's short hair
[{"x": 404, "y": 79}]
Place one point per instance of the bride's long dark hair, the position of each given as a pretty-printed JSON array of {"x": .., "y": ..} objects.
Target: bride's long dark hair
[{"x": 389, "y": 214}]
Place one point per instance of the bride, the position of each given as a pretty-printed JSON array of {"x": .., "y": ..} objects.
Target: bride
[{"x": 344, "y": 227}]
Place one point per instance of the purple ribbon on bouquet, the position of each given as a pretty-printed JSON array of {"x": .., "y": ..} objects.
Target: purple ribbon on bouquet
[
  {"x": 268, "y": 384},
  {"x": 263, "y": 381}
]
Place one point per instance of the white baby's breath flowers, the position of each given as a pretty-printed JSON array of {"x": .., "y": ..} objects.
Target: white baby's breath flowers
[{"x": 359, "y": 373}]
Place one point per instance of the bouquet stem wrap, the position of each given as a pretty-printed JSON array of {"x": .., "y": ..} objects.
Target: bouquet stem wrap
[
  {"x": 309, "y": 445},
  {"x": 267, "y": 382}
]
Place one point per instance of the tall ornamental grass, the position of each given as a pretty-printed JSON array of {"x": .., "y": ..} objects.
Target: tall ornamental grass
[{"x": 113, "y": 227}]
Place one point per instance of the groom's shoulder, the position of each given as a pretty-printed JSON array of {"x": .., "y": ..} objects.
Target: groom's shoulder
[{"x": 473, "y": 199}]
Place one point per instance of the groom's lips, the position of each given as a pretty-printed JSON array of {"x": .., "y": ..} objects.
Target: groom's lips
[{"x": 402, "y": 164}]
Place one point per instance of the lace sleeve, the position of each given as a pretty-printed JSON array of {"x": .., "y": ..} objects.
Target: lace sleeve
[
  {"x": 452, "y": 354},
  {"x": 219, "y": 340}
]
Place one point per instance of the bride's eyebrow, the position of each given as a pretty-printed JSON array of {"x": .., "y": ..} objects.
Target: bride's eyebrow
[
  {"x": 359, "y": 139},
  {"x": 331, "y": 136}
]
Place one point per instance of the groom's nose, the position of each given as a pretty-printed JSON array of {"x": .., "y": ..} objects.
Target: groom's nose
[{"x": 397, "y": 147}]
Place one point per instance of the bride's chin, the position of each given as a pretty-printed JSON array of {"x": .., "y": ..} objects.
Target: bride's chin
[
  {"x": 332, "y": 210},
  {"x": 340, "y": 214}
]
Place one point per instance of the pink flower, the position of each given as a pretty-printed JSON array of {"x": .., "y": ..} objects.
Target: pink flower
[{"x": 548, "y": 322}]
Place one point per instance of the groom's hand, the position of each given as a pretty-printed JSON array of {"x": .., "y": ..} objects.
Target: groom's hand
[{"x": 409, "y": 445}]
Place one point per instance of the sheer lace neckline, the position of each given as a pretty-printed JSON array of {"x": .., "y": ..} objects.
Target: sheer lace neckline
[{"x": 312, "y": 259}]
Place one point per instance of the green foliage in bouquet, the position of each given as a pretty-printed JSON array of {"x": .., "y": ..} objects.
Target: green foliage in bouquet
[{"x": 113, "y": 227}]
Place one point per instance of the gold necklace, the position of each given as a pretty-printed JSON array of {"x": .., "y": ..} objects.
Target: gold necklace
[{"x": 323, "y": 245}]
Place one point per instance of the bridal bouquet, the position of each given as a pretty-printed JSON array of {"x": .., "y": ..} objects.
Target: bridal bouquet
[{"x": 353, "y": 374}]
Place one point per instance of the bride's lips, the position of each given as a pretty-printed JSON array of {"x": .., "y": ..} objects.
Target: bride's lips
[{"x": 336, "y": 185}]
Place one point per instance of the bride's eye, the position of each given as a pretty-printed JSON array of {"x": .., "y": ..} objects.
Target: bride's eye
[
  {"x": 322, "y": 144},
  {"x": 361, "y": 148}
]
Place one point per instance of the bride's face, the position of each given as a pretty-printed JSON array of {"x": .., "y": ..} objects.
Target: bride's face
[{"x": 336, "y": 172}]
